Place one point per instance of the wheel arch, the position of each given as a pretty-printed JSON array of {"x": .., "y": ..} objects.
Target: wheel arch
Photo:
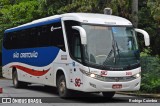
[
  {"x": 61, "y": 71},
  {"x": 13, "y": 70}
]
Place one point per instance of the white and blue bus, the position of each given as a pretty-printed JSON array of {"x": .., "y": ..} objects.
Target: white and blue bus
[{"x": 74, "y": 51}]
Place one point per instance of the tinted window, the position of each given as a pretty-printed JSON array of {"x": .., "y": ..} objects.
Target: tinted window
[
  {"x": 42, "y": 36},
  {"x": 73, "y": 38}
]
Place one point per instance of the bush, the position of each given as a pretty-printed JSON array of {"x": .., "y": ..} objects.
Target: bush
[{"x": 150, "y": 74}]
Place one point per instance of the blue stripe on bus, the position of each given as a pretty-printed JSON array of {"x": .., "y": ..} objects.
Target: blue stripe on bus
[
  {"x": 33, "y": 25},
  {"x": 42, "y": 56}
]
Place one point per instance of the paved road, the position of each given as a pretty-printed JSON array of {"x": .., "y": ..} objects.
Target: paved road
[{"x": 36, "y": 90}]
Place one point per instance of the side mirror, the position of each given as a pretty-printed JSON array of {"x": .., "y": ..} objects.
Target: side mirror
[
  {"x": 82, "y": 34},
  {"x": 146, "y": 36}
]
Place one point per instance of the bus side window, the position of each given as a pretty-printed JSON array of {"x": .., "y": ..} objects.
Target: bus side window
[
  {"x": 14, "y": 40},
  {"x": 6, "y": 41},
  {"x": 9, "y": 41},
  {"x": 32, "y": 38},
  {"x": 40, "y": 37},
  {"x": 56, "y": 36},
  {"x": 22, "y": 39}
]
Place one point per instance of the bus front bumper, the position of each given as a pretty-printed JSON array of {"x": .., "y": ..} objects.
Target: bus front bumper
[{"x": 94, "y": 85}]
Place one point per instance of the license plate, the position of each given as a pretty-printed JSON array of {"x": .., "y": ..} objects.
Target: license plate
[{"x": 117, "y": 86}]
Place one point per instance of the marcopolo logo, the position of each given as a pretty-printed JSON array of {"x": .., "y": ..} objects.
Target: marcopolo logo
[{"x": 54, "y": 28}]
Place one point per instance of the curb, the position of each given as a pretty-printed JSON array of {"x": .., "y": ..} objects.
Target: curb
[{"x": 140, "y": 94}]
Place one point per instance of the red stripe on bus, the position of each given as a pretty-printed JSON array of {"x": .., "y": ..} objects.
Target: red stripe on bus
[{"x": 31, "y": 71}]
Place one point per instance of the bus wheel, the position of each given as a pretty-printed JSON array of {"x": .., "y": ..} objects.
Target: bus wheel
[
  {"x": 108, "y": 94},
  {"x": 16, "y": 83},
  {"x": 61, "y": 86}
]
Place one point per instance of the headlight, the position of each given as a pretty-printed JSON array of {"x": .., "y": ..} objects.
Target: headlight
[
  {"x": 92, "y": 75},
  {"x": 137, "y": 75}
]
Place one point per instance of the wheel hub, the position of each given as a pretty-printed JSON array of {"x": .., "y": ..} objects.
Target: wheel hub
[
  {"x": 15, "y": 81},
  {"x": 62, "y": 87}
]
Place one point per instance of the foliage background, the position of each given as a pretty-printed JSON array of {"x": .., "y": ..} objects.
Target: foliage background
[{"x": 17, "y": 12}]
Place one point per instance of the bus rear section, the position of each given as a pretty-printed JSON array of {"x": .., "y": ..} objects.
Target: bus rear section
[{"x": 31, "y": 52}]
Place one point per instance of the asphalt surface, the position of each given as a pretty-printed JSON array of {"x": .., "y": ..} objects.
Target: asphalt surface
[{"x": 84, "y": 99}]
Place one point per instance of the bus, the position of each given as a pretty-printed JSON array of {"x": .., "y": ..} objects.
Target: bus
[{"x": 85, "y": 52}]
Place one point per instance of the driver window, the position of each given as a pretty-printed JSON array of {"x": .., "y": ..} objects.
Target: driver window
[
  {"x": 76, "y": 45},
  {"x": 73, "y": 38}
]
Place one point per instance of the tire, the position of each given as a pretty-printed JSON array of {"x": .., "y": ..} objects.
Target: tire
[
  {"x": 16, "y": 83},
  {"x": 108, "y": 94},
  {"x": 62, "y": 88}
]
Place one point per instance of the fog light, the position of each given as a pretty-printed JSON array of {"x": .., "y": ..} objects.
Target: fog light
[{"x": 92, "y": 75}]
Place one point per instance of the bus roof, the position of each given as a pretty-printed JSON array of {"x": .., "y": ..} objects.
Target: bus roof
[
  {"x": 90, "y": 18},
  {"x": 93, "y": 18},
  {"x": 39, "y": 22}
]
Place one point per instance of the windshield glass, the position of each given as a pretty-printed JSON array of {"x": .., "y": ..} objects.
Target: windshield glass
[{"x": 111, "y": 47}]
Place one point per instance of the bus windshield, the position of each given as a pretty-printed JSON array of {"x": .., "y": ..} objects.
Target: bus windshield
[{"x": 113, "y": 48}]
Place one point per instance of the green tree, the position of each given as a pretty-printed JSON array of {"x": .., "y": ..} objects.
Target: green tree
[
  {"x": 135, "y": 12},
  {"x": 51, "y": 7},
  {"x": 17, "y": 12},
  {"x": 150, "y": 24},
  {"x": 155, "y": 9}
]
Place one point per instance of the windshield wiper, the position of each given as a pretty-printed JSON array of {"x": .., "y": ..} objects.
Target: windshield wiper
[
  {"x": 117, "y": 49},
  {"x": 114, "y": 60},
  {"x": 113, "y": 50},
  {"x": 110, "y": 53}
]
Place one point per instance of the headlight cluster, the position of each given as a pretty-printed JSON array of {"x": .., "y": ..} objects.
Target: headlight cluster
[
  {"x": 111, "y": 79},
  {"x": 92, "y": 75}
]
